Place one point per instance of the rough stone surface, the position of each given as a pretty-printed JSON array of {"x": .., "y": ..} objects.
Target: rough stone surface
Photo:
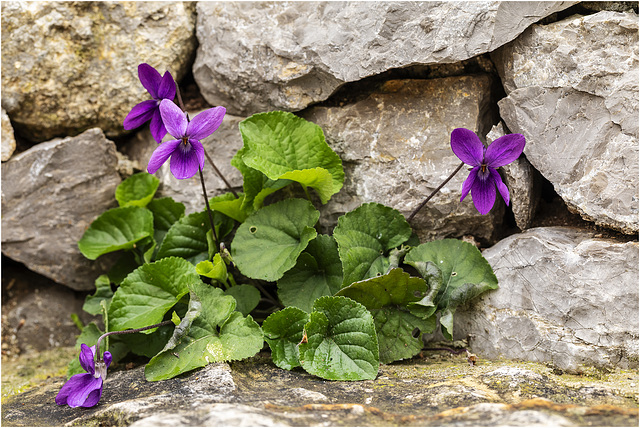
[
  {"x": 222, "y": 145},
  {"x": 272, "y": 55},
  {"x": 573, "y": 92},
  {"x": 71, "y": 66},
  {"x": 437, "y": 391},
  {"x": 524, "y": 184},
  {"x": 50, "y": 195},
  {"x": 395, "y": 148},
  {"x": 8, "y": 139},
  {"x": 565, "y": 297},
  {"x": 36, "y": 312}
]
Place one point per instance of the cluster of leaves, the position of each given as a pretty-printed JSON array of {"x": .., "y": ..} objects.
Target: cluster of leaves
[{"x": 352, "y": 300}]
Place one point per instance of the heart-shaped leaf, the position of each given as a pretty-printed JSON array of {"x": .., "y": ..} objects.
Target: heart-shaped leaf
[
  {"x": 137, "y": 190},
  {"x": 269, "y": 242},
  {"x": 341, "y": 342},
  {"x": 364, "y": 237},
  {"x": 466, "y": 274},
  {"x": 211, "y": 332},
  {"x": 386, "y": 297},
  {"x": 317, "y": 273},
  {"x": 283, "y": 332},
  {"x": 187, "y": 238},
  {"x": 247, "y": 297},
  {"x": 283, "y": 146},
  {"x": 116, "y": 229},
  {"x": 149, "y": 292}
]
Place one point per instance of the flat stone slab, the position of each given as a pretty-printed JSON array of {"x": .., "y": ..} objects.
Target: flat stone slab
[{"x": 438, "y": 390}]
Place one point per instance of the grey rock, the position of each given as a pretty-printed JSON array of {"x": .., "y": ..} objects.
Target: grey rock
[
  {"x": 395, "y": 147},
  {"x": 524, "y": 184},
  {"x": 222, "y": 145},
  {"x": 68, "y": 67},
  {"x": 442, "y": 391},
  {"x": 573, "y": 92},
  {"x": 565, "y": 297},
  {"x": 36, "y": 313},
  {"x": 8, "y": 139},
  {"x": 50, "y": 195},
  {"x": 263, "y": 55}
]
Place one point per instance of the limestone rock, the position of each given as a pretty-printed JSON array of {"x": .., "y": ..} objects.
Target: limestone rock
[
  {"x": 573, "y": 92},
  {"x": 395, "y": 147},
  {"x": 71, "y": 66},
  {"x": 523, "y": 182},
  {"x": 263, "y": 56},
  {"x": 222, "y": 145},
  {"x": 50, "y": 195},
  {"x": 565, "y": 298},
  {"x": 440, "y": 391},
  {"x": 8, "y": 139}
]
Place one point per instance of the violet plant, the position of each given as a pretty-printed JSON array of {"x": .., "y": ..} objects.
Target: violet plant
[{"x": 337, "y": 305}]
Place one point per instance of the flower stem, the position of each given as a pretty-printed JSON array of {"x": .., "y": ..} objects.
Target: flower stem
[
  {"x": 434, "y": 192},
  {"x": 215, "y": 168},
  {"x": 132, "y": 330},
  {"x": 206, "y": 201}
]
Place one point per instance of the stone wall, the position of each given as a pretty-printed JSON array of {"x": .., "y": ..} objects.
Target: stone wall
[{"x": 387, "y": 82}]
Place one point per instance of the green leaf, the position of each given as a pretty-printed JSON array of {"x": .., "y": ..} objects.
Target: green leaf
[
  {"x": 341, "y": 341},
  {"x": 427, "y": 306},
  {"x": 247, "y": 297},
  {"x": 283, "y": 332},
  {"x": 149, "y": 292},
  {"x": 175, "y": 318},
  {"x": 394, "y": 327},
  {"x": 284, "y": 146},
  {"x": 317, "y": 273},
  {"x": 137, "y": 190},
  {"x": 187, "y": 238},
  {"x": 230, "y": 206},
  {"x": 386, "y": 296},
  {"x": 216, "y": 270},
  {"x": 465, "y": 273},
  {"x": 166, "y": 212},
  {"x": 116, "y": 229},
  {"x": 364, "y": 237},
  {"x": 103, "y": 292},
  {"x": 269, "y": 242},
  {"x": 256, "y": 185},
  {"x": 216, "y": 334}
]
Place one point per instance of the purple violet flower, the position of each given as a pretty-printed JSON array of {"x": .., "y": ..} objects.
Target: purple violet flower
[
  {"x": 483, "y": 177},
  {"x": 159, "y": 88},
  {"x": 186, "y": 151},
  {"x": 85, "y": 389}
]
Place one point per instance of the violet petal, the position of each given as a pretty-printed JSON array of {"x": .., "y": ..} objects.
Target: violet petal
[
  {"x": 467, "y": 146},
  {"x": 157, "y": 128},
  {"x": 150, "y": 79},
  {"x": 504, "y": 150},
  {"x": 107, "y": 358},
  {"x": 167, "y": 88},
  {"x": 185, "y": 160},
  {"x": 140, "y": 114},
  {"x": 483, "y": 193},
  {"x": 174, "y": 119},
  {"x": 469, "y": 182},
  {"x": 161, "y": 154},
  {"x": 206, "y": 123},
  {"x": 502, "y": 188},
  {"x": 77, "y": 389},
  {"x": 87, "y": 360}
]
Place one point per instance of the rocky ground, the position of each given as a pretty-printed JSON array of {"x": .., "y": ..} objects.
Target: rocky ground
[{"x": 438, "y": 389}]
